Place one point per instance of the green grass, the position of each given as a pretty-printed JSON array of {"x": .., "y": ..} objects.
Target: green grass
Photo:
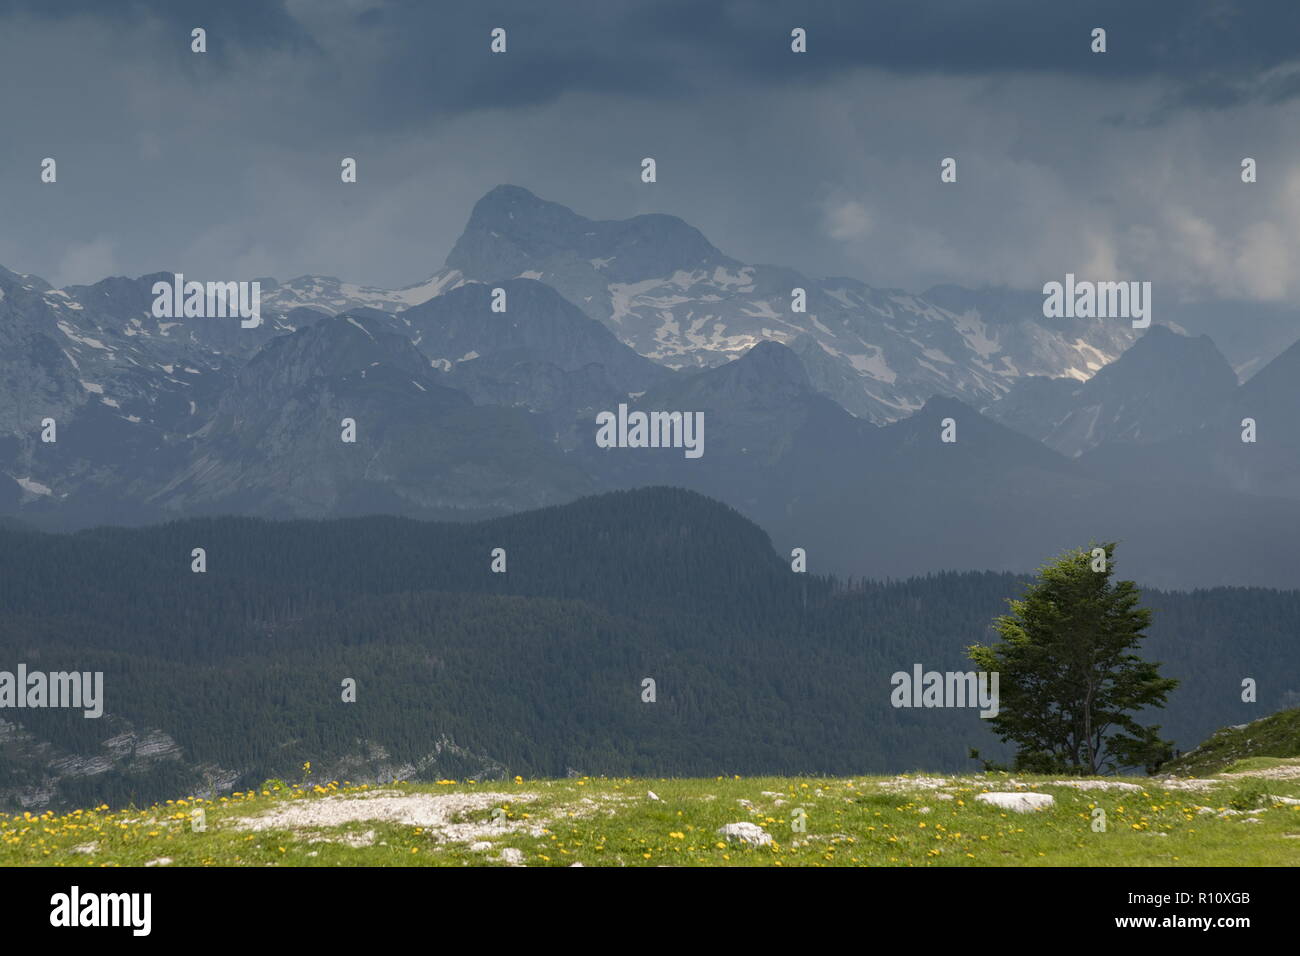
[
  {"x": 1276, "y": 736},
  {"x": 863, "y": 821}
]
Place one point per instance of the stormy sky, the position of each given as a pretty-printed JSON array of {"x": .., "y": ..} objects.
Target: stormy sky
[{"x": 1117, "y": 165}]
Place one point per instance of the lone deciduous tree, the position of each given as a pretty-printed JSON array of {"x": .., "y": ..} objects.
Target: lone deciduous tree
[{"x": 1070, "y": 682}]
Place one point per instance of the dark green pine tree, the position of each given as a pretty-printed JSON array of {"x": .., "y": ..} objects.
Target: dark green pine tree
[{"x": 1070, "y": 682}]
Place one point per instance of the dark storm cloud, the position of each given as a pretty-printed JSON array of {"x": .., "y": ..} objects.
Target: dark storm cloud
[
  {"x": 228, "y": 163},
  {"x": 250, "y": 23},
  {"x": 387, "y": 64}
]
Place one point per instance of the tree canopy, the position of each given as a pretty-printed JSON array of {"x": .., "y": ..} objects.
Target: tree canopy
[{"x": 1071, "y": 682}]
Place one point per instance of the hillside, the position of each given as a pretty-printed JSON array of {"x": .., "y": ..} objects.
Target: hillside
[
  {"x": 216, "y": 681},
  {"x": 583, "y": 821},
  {"x": 1258, "y": 745}
]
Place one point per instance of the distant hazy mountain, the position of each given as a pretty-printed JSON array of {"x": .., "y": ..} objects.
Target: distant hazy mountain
[
  {"x": 1213, "y": 454},
  {"x": 668, "y": 293},
  {"x": 274, "y": 445},
  {"x": 542, "y": 353},
  {"x": 1165, "y": 384},
  {"x": 897, "y": 500},
  {"x": 769, "y": 436},
  {"x": 824, "y": 425}
]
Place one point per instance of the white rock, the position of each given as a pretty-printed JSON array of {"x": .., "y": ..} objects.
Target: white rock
[
  {"x": 652, "y": 795},
  {"x": 1097, "y": 785},
  {"x": 1175, "y": 783},
  {"x": 511, "y": 855},
  {"x": 480, "y": 846},
  {"x": 749, "y": 833},
  {"x": 577, "y": 864},
  {"x": 161, "y": 861},
  {"x": 903, "y": 782},
  {"x": 1018, "y": 802}
]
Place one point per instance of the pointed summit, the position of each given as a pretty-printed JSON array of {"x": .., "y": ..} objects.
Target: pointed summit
[
  {"x": 771, "y": 363},
  {"x": 1276, "y": 384},
  {"x": 1164, "y": 384},
  {"x": 979, "y": 441}
]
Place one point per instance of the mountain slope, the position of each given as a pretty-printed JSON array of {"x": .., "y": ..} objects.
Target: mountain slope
[
  {"x": 1213, "y": 455},
  {"x": 538, "y": 325},
  {"x": 275, "y": 443},
  {"x": 1260, "y": 744},
  {"x": 1164, "y": 384},
  {"x": 542, "y": 353},
  {"x": 767, "y": 434},
  {"x": 664, "y": 290},
  {"x": 214, "y": 682}
]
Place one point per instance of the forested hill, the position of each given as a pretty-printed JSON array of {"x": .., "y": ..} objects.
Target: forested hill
[
  {"x": 220, "y": 679},
  {"x": 631, "y": 552}
]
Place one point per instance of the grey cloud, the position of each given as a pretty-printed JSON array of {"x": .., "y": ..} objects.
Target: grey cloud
[{"x": 229, "y": 164}]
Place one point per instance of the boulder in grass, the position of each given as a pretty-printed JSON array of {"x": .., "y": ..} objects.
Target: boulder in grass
[
  {"x": 749, "y": 833},
  {"x": 1018, "y": 802}
]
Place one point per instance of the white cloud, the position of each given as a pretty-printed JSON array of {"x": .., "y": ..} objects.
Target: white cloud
[{"x": 847, "y": 220}]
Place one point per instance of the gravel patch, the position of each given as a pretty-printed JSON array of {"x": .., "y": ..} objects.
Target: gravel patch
[
  {"x": 1098, "y": 785},
  {"x": 436, "y": 812}
]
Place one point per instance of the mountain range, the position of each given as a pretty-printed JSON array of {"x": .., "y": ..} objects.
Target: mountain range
[{"x": 825, "y": 426}]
